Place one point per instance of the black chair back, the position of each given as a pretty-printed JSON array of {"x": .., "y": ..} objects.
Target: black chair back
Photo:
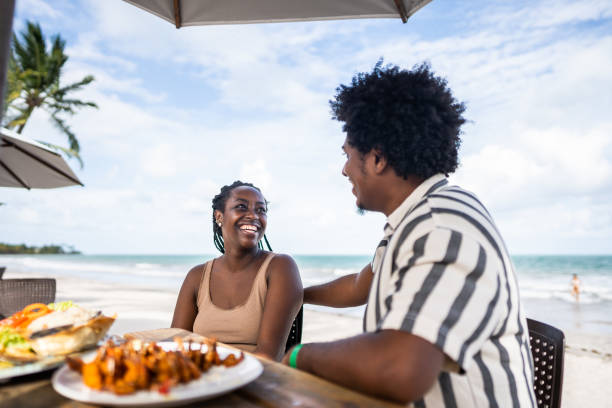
[
  {"x": 295, "y": 335},
  {"x": 547, "y": 348},
  {"x": 15, "y": 294},
  {"x": 2, "y": 269}
]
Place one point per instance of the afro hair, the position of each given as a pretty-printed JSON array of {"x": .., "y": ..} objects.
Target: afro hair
[{"x": 410, "y": 117}]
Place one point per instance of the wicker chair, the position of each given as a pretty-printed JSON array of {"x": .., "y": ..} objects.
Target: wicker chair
[
  {"x": 15, "y": 294},
  {"x": 295, "y": 335},
  {"x": 547, "y": 348}
]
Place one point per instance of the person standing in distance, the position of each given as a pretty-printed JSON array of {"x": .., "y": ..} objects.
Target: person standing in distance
[
  {"x": 576, "y": 287},
  {"x": 443, "y": 325}
]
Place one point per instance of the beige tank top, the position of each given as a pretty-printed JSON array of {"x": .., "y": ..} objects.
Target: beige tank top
[{"x": 238, "y": 326}]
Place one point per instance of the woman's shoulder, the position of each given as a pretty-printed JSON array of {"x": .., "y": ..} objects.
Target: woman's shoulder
[
  {"x": 284, "y": 271},
  {"x": 281, "y": 258},
  {"x": 196, "y": 271},
  {"x": 282, "y": 262}
]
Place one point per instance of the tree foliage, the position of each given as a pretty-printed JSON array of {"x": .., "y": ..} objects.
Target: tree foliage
[
  {"x": 33, "y": 81},
  {"x": 45, "y": 249}
]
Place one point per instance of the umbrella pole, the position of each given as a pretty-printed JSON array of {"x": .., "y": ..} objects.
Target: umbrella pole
[
  {"x": 7, "y": 8},
  {"x": 177, "y": 13}
]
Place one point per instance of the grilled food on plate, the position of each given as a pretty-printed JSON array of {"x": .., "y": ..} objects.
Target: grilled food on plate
[
  {"x": 134, "y": 366},
  {"x": 40, "y": 331}
]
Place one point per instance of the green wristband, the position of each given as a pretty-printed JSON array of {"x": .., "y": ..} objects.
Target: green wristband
[{"x": 293, "y": 356}]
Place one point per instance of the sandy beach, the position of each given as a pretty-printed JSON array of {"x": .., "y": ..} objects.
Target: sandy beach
[{"x": 588, "y": 358}]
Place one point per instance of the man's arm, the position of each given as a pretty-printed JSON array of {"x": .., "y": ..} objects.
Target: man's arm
[
  {"x": 349, "y": 290},
  {"x": 390, "y": 364}
]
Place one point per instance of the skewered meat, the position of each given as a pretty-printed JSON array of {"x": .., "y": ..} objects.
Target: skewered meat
[{"x": 134, "y": 365}]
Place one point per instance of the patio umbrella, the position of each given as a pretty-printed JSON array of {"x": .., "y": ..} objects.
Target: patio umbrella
[
  {"x": 204, "y": 12},
  {"x": 29, "y": 164}
]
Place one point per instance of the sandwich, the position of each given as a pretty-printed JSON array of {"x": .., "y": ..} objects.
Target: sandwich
[{"x": 57, "y": 329}]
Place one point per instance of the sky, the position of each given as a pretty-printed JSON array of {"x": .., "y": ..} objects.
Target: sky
[{"x": 184, "y": 112}]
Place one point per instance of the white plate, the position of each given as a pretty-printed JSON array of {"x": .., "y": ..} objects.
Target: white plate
[
  {"x": 216, "y": 381},
  {"x": 30, "y": 368}
]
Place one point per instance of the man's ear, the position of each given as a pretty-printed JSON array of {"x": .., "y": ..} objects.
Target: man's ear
[{"x": 380, "y": 162}]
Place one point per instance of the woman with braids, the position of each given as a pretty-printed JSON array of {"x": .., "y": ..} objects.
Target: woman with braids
[{"x": 247, "y": 297}]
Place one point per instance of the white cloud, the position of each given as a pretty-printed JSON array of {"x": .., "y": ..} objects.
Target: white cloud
[
  {"x": 160, "y": 160},
  {"x": 255, "y": 172},
  {"x": 39, "y": 8},
  {"x": 28, "y": 215}
]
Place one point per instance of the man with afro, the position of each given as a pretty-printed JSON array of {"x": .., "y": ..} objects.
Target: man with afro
[{"x": 443, "y": 324}]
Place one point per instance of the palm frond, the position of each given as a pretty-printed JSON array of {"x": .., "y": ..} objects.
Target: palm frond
[
  {"x": 31, "y": 51},
  {"x": 13, "y": 123},
  {"x": 61, "y": 125},
  {"x": 56, "y": 60},
  {"x": 76, "y": 86},
  {"x": 74, "y": 103}
]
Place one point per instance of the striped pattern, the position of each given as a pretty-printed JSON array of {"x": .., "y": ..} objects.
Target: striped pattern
[{"x": 445, "y": 275}]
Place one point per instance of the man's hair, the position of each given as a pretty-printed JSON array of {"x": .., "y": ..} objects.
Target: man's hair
[
  {"x": 411, "y": 117},
  {"x": 218, "y": 203}
]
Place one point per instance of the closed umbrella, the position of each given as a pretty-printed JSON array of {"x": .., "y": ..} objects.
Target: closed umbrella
[
  {"x": 28, "y": 164},
  {"x": 204, "y": 12}
]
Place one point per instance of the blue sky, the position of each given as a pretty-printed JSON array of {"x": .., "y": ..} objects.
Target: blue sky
[{"x": 183, "y": 112}]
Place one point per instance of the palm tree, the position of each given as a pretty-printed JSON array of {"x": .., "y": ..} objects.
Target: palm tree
[{"x": 33, "y": 81}]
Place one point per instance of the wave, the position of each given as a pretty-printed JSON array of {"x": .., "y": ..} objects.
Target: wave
[
  {"x": 343, "y": 271},
  {"x": 87, "y": 268},
  {"x": 145, "y": 265},
  {"x": 586, "y": 297}
]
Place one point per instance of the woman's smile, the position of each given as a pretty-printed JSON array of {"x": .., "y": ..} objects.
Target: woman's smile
[{"x": 250, "y": 230}]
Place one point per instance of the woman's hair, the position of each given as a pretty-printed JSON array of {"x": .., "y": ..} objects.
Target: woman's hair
[
  {"x": 218, "y": 203},
  {"x": 411, "y": 117}
]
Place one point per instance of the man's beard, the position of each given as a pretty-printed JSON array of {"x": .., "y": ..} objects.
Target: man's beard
[{"x": 361, "y": 210}]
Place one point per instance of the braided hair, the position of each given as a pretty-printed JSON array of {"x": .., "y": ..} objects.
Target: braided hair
[{"x": 218, "y": 203}]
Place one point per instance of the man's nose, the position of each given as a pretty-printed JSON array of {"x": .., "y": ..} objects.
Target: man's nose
[{"x": 344, "y": 170}]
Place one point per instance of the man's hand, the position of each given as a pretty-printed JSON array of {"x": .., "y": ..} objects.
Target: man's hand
[{"x": 347, "y": 291}]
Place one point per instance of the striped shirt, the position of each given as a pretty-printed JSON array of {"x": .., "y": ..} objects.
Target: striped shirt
[{"x": 442, "y": 273}]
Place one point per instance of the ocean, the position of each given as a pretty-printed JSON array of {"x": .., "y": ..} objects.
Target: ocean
[{"x": 544, "y": 280}]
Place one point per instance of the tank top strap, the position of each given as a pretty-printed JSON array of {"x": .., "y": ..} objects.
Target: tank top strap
[
  {"x": 260, "y": 285},
  {"x": 263, "y": 269},
  {"x": 203, "y": 288}
]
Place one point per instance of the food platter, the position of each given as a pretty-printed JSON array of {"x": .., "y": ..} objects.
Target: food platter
[
  {"x": 45, "y": 364},
  {"x": 216, "y": 381},
  {"x": 39, "y": 337}
]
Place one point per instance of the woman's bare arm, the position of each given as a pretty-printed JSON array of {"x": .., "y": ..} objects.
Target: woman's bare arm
[
  {"x": 186, "y": 307},
  {"x": 283, "y": 301},
  {"x": 349, "y": 290}
]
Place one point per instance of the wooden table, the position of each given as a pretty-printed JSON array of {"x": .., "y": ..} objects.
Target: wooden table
[{"x": 278, "y": 386}]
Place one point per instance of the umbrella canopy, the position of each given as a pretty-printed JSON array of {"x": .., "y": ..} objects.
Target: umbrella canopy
[
  {"x": 29, "y": 164},
  {"x": 203, "y": 12}
]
